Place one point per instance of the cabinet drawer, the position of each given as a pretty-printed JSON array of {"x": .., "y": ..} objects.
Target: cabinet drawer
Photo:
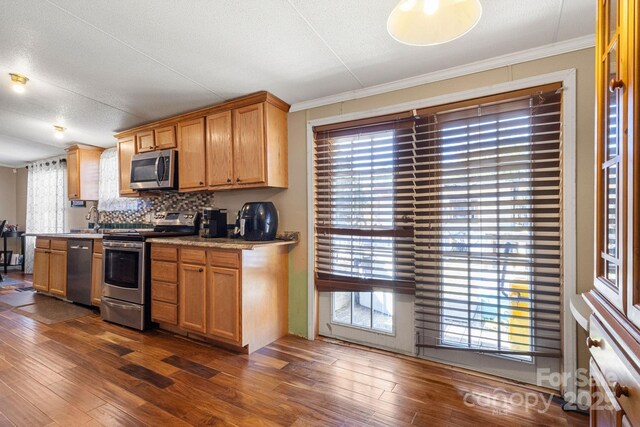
[
  {"x": 164, "y": 253},
  {"x": 164, "y": 271},
  {"x": 59, "y": 245},
  {"x": 164, "y": 312},
  {"x": 167, "y": 292},
  {"x": 193, "y": 256},
  {"x": 43, "y": 243},
  {"x": 97, "y": 246},
  {"x": 224, "y": 259},
  {"x": 621, "y": 379}
]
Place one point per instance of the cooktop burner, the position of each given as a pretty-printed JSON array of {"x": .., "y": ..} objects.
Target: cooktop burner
[{"x": 166, "y": 224}]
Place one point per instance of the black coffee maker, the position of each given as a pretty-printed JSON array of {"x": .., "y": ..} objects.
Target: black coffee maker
[{"x": 214, "y": 223}]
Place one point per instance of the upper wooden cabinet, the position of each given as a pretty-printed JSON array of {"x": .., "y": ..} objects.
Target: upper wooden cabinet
[
  {"x": 145, "y": 141},
  {"x": 165, "y": 137},
  {"x": 83, "y": 172},
  {"x": 241, "y": 143},
  {"x": 126, "y": 150},
  {"x": 192, "y": 163},
  {"x": 220, "y": 142}
]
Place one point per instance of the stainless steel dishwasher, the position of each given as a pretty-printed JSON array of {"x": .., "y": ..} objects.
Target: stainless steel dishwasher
[{"x": 79, "y": 270}]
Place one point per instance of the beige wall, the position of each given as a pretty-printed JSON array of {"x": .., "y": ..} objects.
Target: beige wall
[
  {"x": 292, "y": 203},
  {"x": 8, "y": 205}
]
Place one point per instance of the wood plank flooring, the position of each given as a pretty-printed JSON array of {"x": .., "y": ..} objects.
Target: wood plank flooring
[{"x": 89, "y": 372}]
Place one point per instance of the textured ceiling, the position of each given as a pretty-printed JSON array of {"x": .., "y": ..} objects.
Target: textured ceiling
[{"x": 101, "y": 66}]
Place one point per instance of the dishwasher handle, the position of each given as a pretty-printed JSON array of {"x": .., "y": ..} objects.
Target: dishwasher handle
[{"x": 79, "y": 247}]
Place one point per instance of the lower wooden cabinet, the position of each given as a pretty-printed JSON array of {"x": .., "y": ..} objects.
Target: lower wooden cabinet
[
  {"x": 50, "y": 267},
  {"x": 192, "y": 302},
  {"x": 96, "y": 273},
  {"x": 236, "y": 297},
  {"x": 41, "y": 270},
  {"x": 605, "y": 410},
  {"x": 58, "y": 273},
  {"x": 223, "y": 303}
]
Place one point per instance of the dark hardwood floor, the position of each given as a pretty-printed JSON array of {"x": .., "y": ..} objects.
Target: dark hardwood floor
[{"x": 89, "y": 372}]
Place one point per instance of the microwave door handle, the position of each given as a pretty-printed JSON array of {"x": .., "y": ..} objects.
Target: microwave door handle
[{"x": 158, "y": 177}]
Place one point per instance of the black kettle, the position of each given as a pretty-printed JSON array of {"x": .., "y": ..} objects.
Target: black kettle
[{"x": 258, "y": 221}]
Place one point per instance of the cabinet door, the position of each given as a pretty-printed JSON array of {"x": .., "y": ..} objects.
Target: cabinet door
[
  {"x": 165, "y": 137},
  {"x": 58, "y": 273},
  {"x": 605, "y": 410},
  {"x": 220, "y": 149},
  {"x": 126, "y": 150},
  {"x": 223, "y": 304},
  {"x": 41, "y": 270},
  {"x": 192, "y": 157},
  {"x": 96, "y": 278},
  {"x": 192, "y": 302},
  {"x": 73, "y": 175},
  {"x": 249, "y": 145},
  {"x": 145, "y": 141},
  {"x": 612, "y": 152}
]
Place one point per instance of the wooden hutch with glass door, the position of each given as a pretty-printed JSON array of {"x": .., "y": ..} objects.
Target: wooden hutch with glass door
[{"x": 614, "y": 325}]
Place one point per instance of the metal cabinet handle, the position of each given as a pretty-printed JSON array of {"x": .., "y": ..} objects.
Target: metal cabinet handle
[
  {"x": 620, "y": 390},
  {"x": 237, "y": 179},
  {"x": 615, "y": 84},
  {"x": 201, "y": 183},
  {"x": 592, "y": 343},
  {"x": 228, "y": 179},
  {"x": 200, "y": 270}
]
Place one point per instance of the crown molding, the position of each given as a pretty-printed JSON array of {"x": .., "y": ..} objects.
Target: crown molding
[{"x": 463, "y": 70}]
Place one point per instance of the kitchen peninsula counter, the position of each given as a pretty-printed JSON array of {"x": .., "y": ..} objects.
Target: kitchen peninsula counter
[{"x": 282, "y": 239}]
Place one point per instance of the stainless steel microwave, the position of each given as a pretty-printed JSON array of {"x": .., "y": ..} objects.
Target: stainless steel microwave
[{"x": 156, "y": 170}]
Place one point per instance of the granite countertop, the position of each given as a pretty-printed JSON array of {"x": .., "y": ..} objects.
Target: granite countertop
[
  {"x": 67, "y": 235},
  {"x": 284, "y": 238}
]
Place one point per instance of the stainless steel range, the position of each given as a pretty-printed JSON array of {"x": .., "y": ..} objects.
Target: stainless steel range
[{"x": 126, "y": 278}]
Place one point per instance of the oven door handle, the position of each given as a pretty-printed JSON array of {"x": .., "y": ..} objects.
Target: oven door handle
[{"x": 115, "y": 304}]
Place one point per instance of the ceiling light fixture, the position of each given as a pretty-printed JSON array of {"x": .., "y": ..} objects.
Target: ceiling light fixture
[
  {"x": 432, "y": 22},
  {"x": 59, "y": 131},
  {"x": 18, "y": 82}
]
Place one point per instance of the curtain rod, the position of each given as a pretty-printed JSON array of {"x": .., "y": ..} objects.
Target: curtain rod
[{"x": 47, "y": 163}]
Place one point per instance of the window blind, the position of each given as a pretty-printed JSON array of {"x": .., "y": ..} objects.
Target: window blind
[
  {"x": 364, "y": 179},
  {"x": 488, "y": 224}
]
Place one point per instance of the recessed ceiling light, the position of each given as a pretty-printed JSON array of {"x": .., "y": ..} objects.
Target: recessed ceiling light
[
  {"x": 18, "y": 82},
  {"x": 59, "y": 131},
  {"x": 432, "y": 22}
]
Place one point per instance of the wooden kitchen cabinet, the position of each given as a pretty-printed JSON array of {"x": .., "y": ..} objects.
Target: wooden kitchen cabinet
[
  {"x": 126, "y": 150},
  {"x": 58, "y": 273},
  {"x": 192, "y": 302},
  {"x": 192, "y": 159},
  {"x": 238, "y": 298},
  {"x": 83, "y": 172},
  {"x": 223, "y": 304},
  {"x": 41, "y": 270},
  {"x": 50, "y": 267},
  {"x": 145, "y": 141},
  {"x": 96, "y": 273},
  {"x": 220, "y": 142},
  {"x": 165, "y": 137},
  {"x": 241, "y": 143},
  {"x": 249, "y": 145}
]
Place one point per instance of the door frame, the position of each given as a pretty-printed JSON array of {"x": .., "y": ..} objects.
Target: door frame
[{"x": 569, "y": 87}]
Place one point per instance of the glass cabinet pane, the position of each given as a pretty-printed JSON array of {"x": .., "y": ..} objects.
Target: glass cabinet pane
[
  {"x": 611, "y": 99},
  {"x": 611, "y": 210},
  {"x": 612, "y": 11}
]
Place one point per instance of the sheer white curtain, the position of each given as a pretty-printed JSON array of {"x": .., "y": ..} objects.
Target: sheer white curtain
[
  {"x": 46, "y": 198},
  {"x": 109, "y": 199}
]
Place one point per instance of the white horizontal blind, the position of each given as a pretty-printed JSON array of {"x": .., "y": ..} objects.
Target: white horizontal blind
[
  {"x": 364, "y": 206},
  {"x": 488, "y": 224}
]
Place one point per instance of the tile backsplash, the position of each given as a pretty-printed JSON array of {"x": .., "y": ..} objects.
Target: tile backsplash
[{"x": 164, "y": 201}]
